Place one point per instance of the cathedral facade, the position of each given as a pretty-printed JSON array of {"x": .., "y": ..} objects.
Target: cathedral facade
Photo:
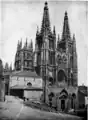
[
  {"x": 55, "y": 60},
  {"x": 57, "y": 63}
]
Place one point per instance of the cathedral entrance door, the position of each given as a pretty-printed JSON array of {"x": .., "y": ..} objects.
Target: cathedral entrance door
[{"x": 62, "y": 105}]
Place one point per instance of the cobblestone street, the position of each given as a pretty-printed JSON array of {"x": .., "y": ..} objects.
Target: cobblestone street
[{"x": 16, "y": 110}]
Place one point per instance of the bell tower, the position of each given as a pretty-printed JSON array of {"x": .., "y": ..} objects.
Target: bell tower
[
  {"x": 66, "y": 56},
  {"x": 45, "y": 47}
]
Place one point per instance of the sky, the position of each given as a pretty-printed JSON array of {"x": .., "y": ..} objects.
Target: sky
[{"x": 19, "y": 20}]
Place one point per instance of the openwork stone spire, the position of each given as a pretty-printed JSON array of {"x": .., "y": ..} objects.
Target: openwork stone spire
[
  {"x": 66, "y": 30},
  {"x": 21, "y": 44},
  {"x": 31, "y": 44},
  {"x": 37, "y": 32},
  {"x": 58, "y": 40},
  {"x": 18, "y": 46},
  {"x": 54, "y": 31},
  {"x": 45, "y": 22},
  {"x": 74, "y": 45},
  {"x": 26, "y": 44}
]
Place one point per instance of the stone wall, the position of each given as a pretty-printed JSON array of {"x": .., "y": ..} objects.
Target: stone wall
[
  {"x": 32, "y": 94},
  {"x": 2, "y": 83},
  {"x": 2, "y": 90}
]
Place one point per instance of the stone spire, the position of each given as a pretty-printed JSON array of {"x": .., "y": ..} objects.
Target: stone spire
[
  {"x": 6, "y": 67},
  {"x": 75, "y": 64},
  {"x": 54, "y": 31},
  {"x": 66, "y": 30},
  {"x": 21, "y": 44},
  {"x": 54, "y": 37},
  {"x": 74, "y": 45},
  {"x": 10, "y": 67},
  {"x": 45, "y": 22},
  {"x": 31, "y": 44},
  {"x": 25, "y": 44},
  {"x": 37, "y": 32},
  {"x": 18, "y": 46},
  {"x": 58, "y": 40},
  {"x": 73, "y": 37}
]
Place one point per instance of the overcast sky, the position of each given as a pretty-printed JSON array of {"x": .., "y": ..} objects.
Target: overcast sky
[{"x": 20, "y": 20}]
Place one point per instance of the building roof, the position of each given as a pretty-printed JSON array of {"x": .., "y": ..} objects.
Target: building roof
[
  {"x": 6, "y": 73},
  {"x": 82, "y": 89},
  {"x": 25, "y": 74},
  {"x": 20, "y": 87}
]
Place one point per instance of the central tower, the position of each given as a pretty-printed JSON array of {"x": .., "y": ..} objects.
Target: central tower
[{"x": 45, "y": 48}]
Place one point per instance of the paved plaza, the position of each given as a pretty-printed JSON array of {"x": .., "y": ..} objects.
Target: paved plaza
[{"x": 14, "y": 109}]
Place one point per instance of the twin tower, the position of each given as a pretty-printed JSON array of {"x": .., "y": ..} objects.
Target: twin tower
[{"x": 55, "y": 63}]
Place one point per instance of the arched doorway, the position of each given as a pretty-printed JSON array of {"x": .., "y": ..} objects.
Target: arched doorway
[
  {"x": 63, "y": 96},
  {"x": 61, "y": 76}
]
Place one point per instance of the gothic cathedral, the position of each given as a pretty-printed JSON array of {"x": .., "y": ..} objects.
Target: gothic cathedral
[{"x": 57, "y": 63}]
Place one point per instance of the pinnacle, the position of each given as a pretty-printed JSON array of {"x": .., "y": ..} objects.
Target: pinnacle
[
  {"x": 66, "y": 16},
  {"x": 66, "y": 30},
  {"x": 46, "y": 3},
  {"x": 46, "y": 7},
  {"x": 45, "y": 22},
  {"x": 58, "y": 37},
  {"x": 37, "y": 30},
  {"x": 54, "y": 30},
  {"x": 73, "y": 36},
  {"x": 65, "y": 13}
]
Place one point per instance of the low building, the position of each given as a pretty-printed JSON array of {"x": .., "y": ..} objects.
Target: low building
[
  {"x": 33, "y": 93},
  {"x": 82, "y": 93},
  {"x": 25, "y": 84},
  {"x": 6, "y": 79}
]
